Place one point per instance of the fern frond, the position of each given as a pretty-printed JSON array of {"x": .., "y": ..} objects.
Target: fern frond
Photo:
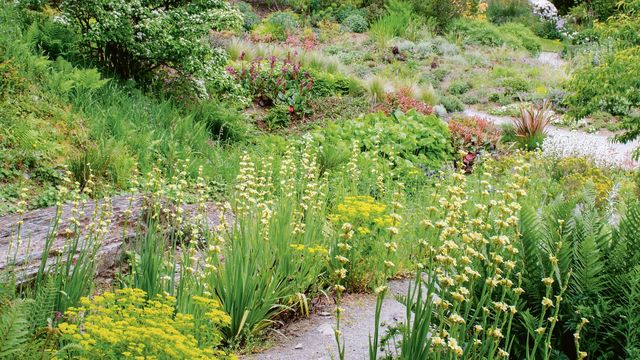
[
  {"x": 44, "y": 303},
  {"x": 532, "y": 254},
  {"x": 14, "y": 329}
]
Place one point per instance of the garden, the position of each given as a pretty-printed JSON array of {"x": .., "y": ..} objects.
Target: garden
[{"x": 312, "y": 179}]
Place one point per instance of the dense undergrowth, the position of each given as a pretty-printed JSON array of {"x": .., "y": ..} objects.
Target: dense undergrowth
[{"x": 330, "y": 170}]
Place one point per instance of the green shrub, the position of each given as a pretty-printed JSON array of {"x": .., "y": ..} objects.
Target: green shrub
[
  {"x": 344, "y": 12},
  {"x": 547, "y": 29},
  {"x": 223, "y": 121},
  {"x": 356, "y": 23},
  {"x": 250, "y": 18},
  {"x": 452, "y": 103},
  {"x": 108, "y": 160},
  {"x": 459, "y": 87},
  {"x": 514, "y": 85},
  {"x": 278, "y": 116},
  {"x": 131, "y": 39},
  {"x": 286, "y": 20},
  {"x": 470, "y": 99},
  {"x": 417, "y": 139},
  {"x": 613, "y": 87},
  {"x": 484, "y": 33},
  {"x": 476, "y": 32},
  {"x": 268, "y": 31},
  {"x": 443, "y": 11},
  {"x": 503, "y": 11}
]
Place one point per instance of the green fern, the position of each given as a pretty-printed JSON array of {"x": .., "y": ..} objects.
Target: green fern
[
  {"x": 44, "y": 304},
  {"x": 14, "y": 329},
  {"x": 532, "y": 254}
]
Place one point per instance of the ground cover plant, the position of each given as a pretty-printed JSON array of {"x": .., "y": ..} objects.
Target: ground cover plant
[{"x": 184, "y": 179}]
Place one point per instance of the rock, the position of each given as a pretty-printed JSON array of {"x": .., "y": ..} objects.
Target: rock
[
  {"x": 325, "y": 329},
  {"x": 440, "y": 111},
  {"x": 36, "y": 228}
]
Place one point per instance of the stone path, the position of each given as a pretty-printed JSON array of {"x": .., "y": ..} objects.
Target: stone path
[
  {"x": 313, "y": 338},
  {"x": 561, "y": 143}
]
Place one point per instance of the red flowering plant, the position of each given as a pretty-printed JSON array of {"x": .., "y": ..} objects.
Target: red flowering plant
[
  {"x": 274, "y": 81},
  {"x": 403, "y": 100},
  {"x": 307, "y": 40},
  {"x": 470, "y": 137}
]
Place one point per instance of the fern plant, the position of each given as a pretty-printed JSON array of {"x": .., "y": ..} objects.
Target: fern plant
[
  {"x": 14, "y": 328},
  {"x": 604, "y": 286}
]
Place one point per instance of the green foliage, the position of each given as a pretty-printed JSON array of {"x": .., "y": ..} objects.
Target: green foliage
[
  {"x": 250, "y": 18},
  {"x": 14, "y": 328},
  {"x": 132, "y": 39},
  {"x": 476, "y": 31},
  {"x": 613, "y": 86},
  {"x": 278, "y": 116},
  {"x": 515, "y": 85},
  {"x": 285, "y": 261},
  {"x": 452, "y": 103},
  {"x": 459, "y": 87},
  {"x": 504, "y": 11},
  {"x": 443, "y": 11},
  {"x": 55, "y": 38},
  {"x": 520, "y": 36},
  {"x": 286, "y": 20},
  {"x": 412, "y": 139},
  {"x": 224, "y": 122},
  {"x": 268, "y": 31},
  {"x": 605, "y": 276},
  {"x": 397, "y": 21},
  {"x": 356, "y": 23},
  {"x": 480, "y": 32}
]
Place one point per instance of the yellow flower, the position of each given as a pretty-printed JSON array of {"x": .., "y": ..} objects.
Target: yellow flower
[
  {"x": 547, "y": 281},
  {"x": 380, "y": 289},
  {"x": 546, "y": 302},
  {"x": 341, "y": 273}
]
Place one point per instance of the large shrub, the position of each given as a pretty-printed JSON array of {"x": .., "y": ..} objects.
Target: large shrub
[
  {"x": 480, "y": 32},
  {"x": 613, "y": 86},
  {"x": 132, "y": 38}
]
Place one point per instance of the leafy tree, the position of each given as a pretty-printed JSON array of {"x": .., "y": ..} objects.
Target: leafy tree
[{"x": 132, "y": 38}]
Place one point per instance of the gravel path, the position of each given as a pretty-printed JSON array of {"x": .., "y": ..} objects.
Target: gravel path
[
  {"x": 313, "y": 339},
  {"x": 561, "y": 143}
]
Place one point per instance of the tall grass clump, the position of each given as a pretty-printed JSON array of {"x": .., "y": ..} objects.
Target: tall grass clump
[
  {"x": 376, "y": 88},
  {"x": 273, "y": 248},
  {"x": 398, "y": 21}
]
